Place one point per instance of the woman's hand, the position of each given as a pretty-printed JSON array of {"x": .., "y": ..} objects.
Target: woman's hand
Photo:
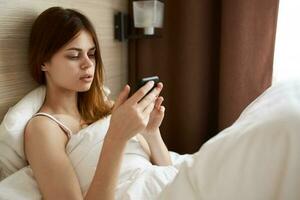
[
  {"x": 130, "y": 115},
  {"x": 159, "y": 153},
  {"x": 156, "y": 116}
]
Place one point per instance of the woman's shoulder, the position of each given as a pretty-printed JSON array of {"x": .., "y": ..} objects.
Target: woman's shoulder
[{"x": 43, "y": 128}]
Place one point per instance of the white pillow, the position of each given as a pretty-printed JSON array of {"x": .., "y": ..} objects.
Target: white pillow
[
  {"x": 11, "y": 131},
  {"x": 12, "y": 157}
]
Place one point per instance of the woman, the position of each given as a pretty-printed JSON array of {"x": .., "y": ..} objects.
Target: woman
[{"x": 64, "y": 55}]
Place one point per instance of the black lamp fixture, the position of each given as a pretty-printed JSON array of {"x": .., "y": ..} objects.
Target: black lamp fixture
[{"x": 147, "y": 15}]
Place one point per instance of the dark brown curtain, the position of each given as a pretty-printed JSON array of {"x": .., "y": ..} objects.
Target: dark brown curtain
[{"x": 214, "y": 58}]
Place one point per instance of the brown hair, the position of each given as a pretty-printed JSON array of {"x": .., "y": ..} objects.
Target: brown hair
[{"x": 54, "y": 28}]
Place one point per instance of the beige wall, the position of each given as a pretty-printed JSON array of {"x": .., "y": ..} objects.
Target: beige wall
[{"x": 16, "y": 17}]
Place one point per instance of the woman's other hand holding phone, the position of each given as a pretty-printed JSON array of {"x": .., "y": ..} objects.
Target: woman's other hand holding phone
[{"x": 156, "y": 115}]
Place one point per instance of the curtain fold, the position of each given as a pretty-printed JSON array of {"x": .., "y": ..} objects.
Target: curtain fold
[
  {"x": 247, "y": 47},
  {"x": 214, "y": 58}
]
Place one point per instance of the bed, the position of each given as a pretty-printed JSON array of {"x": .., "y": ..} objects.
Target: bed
[{"x": 255, "y": 158}]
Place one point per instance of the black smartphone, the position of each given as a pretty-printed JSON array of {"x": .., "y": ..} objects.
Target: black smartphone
[{"x": 144, "y": 80}]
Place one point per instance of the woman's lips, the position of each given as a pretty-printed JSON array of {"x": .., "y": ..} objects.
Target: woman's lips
[{"x": 87, "y": 79}]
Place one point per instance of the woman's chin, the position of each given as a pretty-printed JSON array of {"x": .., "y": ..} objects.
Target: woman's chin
[{"x": 84, "y": 89}]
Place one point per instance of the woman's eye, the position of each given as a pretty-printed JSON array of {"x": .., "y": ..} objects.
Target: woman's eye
[
  {"x": 76, "y": 57},
  {"x": 73, "y": 57}
]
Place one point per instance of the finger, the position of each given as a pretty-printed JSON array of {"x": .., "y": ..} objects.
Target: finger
[
  {"x": 138, "y": 95},
  {"x": 162, "y": 109},
  {"x": 158, "y": 102},
  {"x": 148, "y": 109},
  {"x": 150, "y": 97},
  {"x": 122, "y": 97}
]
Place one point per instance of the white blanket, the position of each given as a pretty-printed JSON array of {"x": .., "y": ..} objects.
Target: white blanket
[
  {"x": 256, "y": 158},
  {"x": 83, "y": 149}
]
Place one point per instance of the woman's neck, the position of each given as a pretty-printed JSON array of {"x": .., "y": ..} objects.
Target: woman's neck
[{"x": 61, "y": 101}]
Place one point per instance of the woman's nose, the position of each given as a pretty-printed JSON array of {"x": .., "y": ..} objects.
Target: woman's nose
[{"x": 87, "y": 62}]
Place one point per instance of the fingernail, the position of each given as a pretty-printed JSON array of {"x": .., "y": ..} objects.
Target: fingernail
[{"x": 151, "y": 82}]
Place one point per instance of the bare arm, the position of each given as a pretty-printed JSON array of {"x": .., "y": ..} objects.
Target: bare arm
[
  {"x": 105, "y": 178},
  {"x": 159, "y": 153},
  {"x": 45, "y": 150}
]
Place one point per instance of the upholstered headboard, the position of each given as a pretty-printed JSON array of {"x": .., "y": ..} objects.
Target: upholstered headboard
[{"x": 16, "y": 20}]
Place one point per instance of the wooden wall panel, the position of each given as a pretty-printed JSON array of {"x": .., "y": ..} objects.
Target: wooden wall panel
[{"x": 16, "y": 18}]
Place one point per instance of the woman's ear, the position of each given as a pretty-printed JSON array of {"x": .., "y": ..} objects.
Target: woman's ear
[{"x": 43, "y": 67}]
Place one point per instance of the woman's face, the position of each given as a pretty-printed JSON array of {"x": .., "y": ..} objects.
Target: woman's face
[{"x": 76, "y": 60}]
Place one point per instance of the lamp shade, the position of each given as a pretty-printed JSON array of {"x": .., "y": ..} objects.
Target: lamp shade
[{"x": 148, "y": 15}]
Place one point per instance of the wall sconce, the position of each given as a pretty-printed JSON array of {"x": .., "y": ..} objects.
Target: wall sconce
[{"x": 146, "y": 14}]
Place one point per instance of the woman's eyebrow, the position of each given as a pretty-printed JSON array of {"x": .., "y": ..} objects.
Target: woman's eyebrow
[{"x": 78, "y": 49}]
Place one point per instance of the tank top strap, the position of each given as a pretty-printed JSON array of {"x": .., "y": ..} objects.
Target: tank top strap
[{"x": 64, "y": 127}]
